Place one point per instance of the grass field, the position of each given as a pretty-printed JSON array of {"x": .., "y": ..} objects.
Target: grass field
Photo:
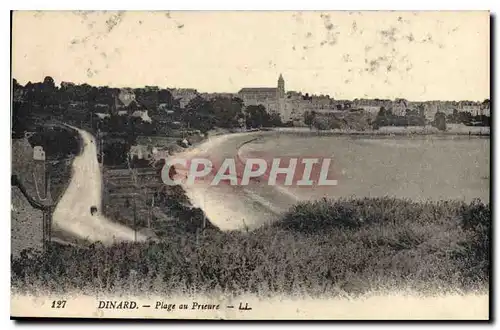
[{"x": 351, "y": 246}]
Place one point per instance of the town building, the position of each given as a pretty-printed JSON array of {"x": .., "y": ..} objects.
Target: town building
[
  {"x": 485, "y": 108},
  {"x": 399, "y": 107},
  {"x": 127, "y": 105},
  {"x": 183, "y": 95},
  {"x": 125, "y": 97},
  {"x": 38, "y": 153},
  {"x": 211, "y": 96},
  {"x": 474, "y": 108},
  {"x": 272, "y": 98}
]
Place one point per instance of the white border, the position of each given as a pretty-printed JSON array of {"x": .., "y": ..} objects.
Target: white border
[
  {"x": 256, "y": 5},
  {"x": 491, "y": 5}
]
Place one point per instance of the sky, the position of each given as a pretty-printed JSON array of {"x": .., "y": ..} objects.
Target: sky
[{"x": 414, "y": 55}]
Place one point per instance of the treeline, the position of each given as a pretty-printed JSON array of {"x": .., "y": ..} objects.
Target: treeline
[
  {"x": 43, "y": 102},
  {"x": 334, "y": 247},
  {"x": 226, "y": 113},
  {"x": 465, "y": 117},
  {"x": 386, "y": 117},
  {"x": 94, "y": 108},
  {"x": 57, "y": 142},
  {"x": 50, "y": 97}
]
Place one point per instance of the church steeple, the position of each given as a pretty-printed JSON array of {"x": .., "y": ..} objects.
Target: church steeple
[{"x": 281, "y": 86}]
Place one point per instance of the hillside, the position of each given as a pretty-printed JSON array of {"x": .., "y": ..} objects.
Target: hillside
[{"x": 26, "y": 224}]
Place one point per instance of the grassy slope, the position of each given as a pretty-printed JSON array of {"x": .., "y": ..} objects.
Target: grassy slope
[
  {"x": 26, "y": 224},
  {"x": 26, "y": 221},
  {"x": 325, "y": 247}
]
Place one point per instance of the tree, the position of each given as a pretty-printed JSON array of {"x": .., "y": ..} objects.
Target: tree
[
  {"x": 164, "y": 96},
  {"x": 465, "y": 117},
  {"x": 275, "y": 120},
  {"x": 227, "y": 111},
  {"x": 92, "y": 96},
  {"x": 257, "y": 116},
  {"x": 320, "y": 123},
  {"x": 199, "y": 114},
  {"x": 20, "y": 118},
  {"x": 44, "y": 93},
  {"x": 326, "y": 122},
  {"x": 29, "y": 89},
  {"x": 81, "y": 92},
  {"x": 48, "y": 84},
  {"x": 17, "y": 90},
  {"x": 383, "y": 118},
  {"x": 105, "y": 96},
  {"x": 421, "y": 111},
  {"x": 415, "y": 117},
  {"x": 149, "y": 98},
  {"x": 15, "y": 84},
  {"x": 440, "y": 121},
  {"x": 309, "y": 118},
  {"x": 241, "y": 120}
]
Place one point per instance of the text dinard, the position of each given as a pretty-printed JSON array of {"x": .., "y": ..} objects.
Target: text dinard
[{"x": 112, "y": 304}]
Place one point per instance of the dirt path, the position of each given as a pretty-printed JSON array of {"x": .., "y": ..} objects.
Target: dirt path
[{"x": 72, "y": 213}]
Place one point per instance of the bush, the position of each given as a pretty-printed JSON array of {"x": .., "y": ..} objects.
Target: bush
[
  {"x": 475, "y": 252},
  {"x": 324, "y": 247}
]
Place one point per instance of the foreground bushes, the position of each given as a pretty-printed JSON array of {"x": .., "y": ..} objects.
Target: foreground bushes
[{"x": 323, "y": 247}]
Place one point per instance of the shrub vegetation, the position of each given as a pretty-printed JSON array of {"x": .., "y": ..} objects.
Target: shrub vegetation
[{"x": 326, "y": 247}]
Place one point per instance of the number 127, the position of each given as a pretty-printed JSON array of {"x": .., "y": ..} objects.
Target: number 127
[{"x": 58, "y": 304}]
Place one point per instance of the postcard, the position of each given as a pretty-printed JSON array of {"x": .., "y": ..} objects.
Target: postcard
[{"x": 251, "y": 165}]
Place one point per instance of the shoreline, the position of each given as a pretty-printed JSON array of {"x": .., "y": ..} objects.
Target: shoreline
[
  {"x": 212, "y": 140},
  {"x": 475, "y": 131}
]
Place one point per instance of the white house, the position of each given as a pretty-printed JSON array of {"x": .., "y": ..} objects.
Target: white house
[
  {"x": 143, "y": 114},
  {"x": 38, "y": 153}
]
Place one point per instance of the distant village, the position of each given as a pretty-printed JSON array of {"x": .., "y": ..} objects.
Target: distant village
[
  {"x": 124, "y": 115},
  {"x": 291, "y": 106}
]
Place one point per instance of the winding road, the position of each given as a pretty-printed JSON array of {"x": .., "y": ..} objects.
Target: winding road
[{"x": 72, "y": 213}]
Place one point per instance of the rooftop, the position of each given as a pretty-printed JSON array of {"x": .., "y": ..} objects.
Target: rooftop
[{"x": 257, "y": 89}]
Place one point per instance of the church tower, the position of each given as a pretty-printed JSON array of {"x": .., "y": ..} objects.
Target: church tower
[{"x": 281, "y": 87}]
